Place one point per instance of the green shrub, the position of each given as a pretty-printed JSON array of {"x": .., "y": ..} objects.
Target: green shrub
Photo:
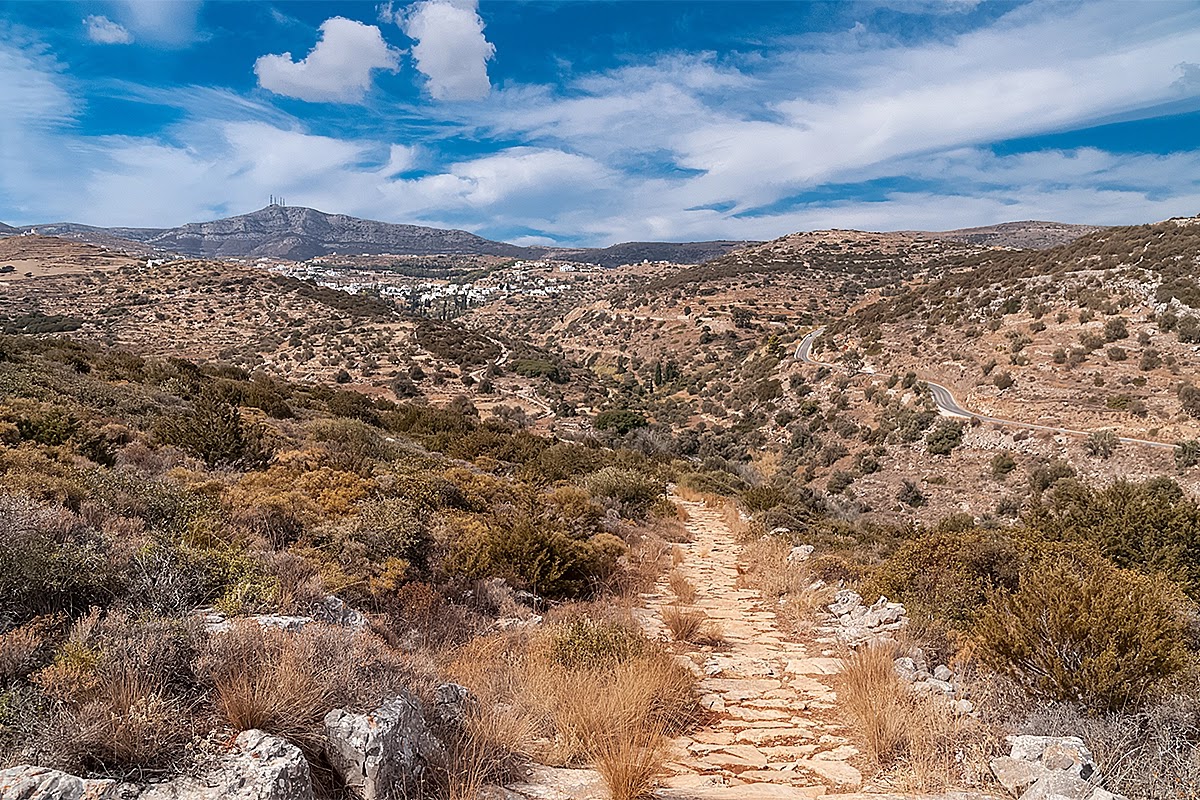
[
  {"x": 619, "y": 421},
  {"x": 532, "y": 555},
  {"x": 1187, "y": 454},
  {"x": 535, "y": 368},
  {"x": 632, "y": 492},
  {"x": 945, "y": 575},
  {"x": 839, "y": 481},
  {"x": 215, "y": 432},
  {"x": 1079, "y": 629},
  {"x": 1002, "y": 464},
  {"x": 910, "y": 494},
  {"x": 1149, "y": 526},
  {"x": 942, "y": 440},
  {"x": 585, "y": 642},
  {"x": 1101, "y": 444},
  {"x": 51, "y": 561},
  {"x": 1046, "y": 475},
  {"x": 763, "y": 498}
]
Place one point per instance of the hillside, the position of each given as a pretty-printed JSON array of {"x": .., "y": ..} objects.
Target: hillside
[
  {"x": 1098, "y": 333},
  {"x": 1027, "y": 235},
  {"x": 637, "y": 252},
  {"x": 262, "y": 321}
]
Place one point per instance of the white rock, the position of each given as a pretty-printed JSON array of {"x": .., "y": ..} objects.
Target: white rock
[
  {"x": 800, "y": 553},
  {"x": 28, "y": 782},
  {"x": 260, "y": 767},
  {"x": 382, "y": 755}
]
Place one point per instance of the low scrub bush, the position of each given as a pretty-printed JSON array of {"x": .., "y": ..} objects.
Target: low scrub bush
[
  {"x": 285, "y": 682},
  {"x": 586, "y": 642},
  {"x": 1078, "y": 629},
  {"x": 632, "y": 492},
  {"x": 946, "y": 575}
]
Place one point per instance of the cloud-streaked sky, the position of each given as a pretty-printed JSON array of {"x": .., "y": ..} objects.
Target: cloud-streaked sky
[{"x": 580, "y": 122}]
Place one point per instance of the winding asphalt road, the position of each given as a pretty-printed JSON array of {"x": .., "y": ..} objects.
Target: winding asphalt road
[{"x": 946, "y": 403}]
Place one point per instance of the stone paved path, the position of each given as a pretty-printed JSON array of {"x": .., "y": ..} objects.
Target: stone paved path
[{"x": 770, "y": 733}]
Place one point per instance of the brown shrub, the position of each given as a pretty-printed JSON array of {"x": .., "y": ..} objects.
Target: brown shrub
[
  {"x": 23, "y": 649},
  {"x": 284, "y": 683},
  {"x": 126, "y": 692}
]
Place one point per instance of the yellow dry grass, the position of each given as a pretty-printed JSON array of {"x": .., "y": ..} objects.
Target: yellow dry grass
[
  {"x": 789, "y": 587},
  {"x": 613, "y": 713},
  {"x": 684, "y": 590},
  {"x": 917, "y": 738}
]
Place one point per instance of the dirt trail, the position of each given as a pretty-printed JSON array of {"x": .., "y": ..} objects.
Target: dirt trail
[{"x": 771, "y": 733}]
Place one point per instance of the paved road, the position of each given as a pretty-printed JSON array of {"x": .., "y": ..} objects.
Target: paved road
[{"x": 948, "y": 405}]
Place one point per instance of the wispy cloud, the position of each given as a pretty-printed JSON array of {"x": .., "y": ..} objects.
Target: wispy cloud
[
  {"x": 102, "y": 30},
  {"x": 845, "y": 130}
]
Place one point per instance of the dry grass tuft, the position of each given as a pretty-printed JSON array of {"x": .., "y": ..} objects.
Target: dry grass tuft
[
  {"x": 684, "y": 624},
  {"x": 870, "y": 689},
  {"x": 692, "y": 625},
  {"x": 285, "y": 682},
  {"x": 685, "y": 591},
  {"x": 630, "y": 760},
  {"x": 788, "y": 586},
  {"x": 917, "y": 737},
  {"x": 612, "y": 712}
]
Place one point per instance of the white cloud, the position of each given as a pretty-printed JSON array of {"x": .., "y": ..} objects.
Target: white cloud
[
  {"x": 451, "y": 50},
  {"x": 337, "y": 70},
  {"x": 103, "y": 30}
]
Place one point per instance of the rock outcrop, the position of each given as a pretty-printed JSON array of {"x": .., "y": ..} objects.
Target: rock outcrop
[
  {"x": 258, "y": 767},
  {"x": 41, "y": 783},
  {"x": 941, "y": 682},
  {"x": 383, "y": 755},
  {"x": 1050, "y": 768},
  {"x": 858, "y": 623}
]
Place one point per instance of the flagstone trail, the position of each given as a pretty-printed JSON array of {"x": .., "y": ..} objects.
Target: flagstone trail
[{"x": 771, "y": 731}]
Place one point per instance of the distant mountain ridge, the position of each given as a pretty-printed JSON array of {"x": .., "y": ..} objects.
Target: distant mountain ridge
[{"x": 297, "y": 234}]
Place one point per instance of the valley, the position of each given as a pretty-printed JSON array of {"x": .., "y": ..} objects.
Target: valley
[{"x": 548, "y": 481}]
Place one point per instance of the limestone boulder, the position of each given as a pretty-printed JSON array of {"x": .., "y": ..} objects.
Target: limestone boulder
[
  {"x": 27, "y": 782},
  {"x": 383, "y": 755},
  {"x": 259, "y": 767}
]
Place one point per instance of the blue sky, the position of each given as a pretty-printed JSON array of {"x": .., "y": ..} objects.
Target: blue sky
[{"x": 580, "y": 122}]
